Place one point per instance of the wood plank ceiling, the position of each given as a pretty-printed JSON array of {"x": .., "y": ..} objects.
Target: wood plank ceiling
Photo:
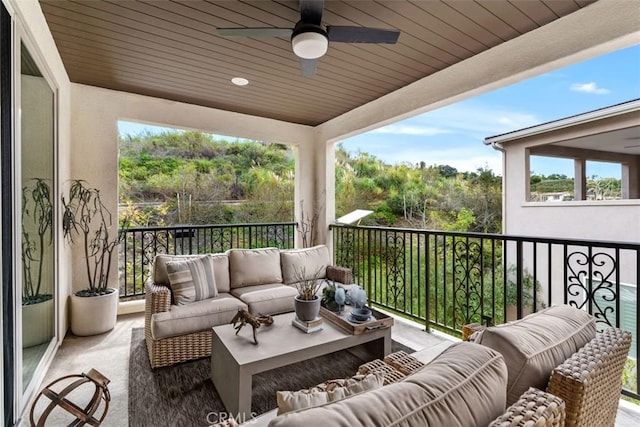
[{"x": 171, "y": 50}]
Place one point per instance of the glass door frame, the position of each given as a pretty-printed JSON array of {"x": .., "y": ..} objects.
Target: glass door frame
[
  {"x": 23, "y": 399},
  {"x": 8, "y": 414}
]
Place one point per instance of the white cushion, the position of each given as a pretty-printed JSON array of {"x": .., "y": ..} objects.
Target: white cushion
[
  {"x": 312, "y": 261},
  {"x": 328, "y": 391},
  {"x": 249, "y": 267}
]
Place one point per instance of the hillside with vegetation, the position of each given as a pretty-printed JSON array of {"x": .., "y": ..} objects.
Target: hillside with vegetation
[{"x": 194, "y": 178}]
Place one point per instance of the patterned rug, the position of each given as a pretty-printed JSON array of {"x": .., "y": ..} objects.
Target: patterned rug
[{"x": 184, "y": 396}]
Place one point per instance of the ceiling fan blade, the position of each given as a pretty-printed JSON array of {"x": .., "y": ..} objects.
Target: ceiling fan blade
[
  {"x": 308, "y": 67},
  {"x": 255, "y": 32},
  {"x": 362, "y": 35},
  {"x": 311, "y": 11}
]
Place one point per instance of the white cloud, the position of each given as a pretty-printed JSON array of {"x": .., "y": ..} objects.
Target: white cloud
[
  {"x": 410, "y": 130},
  {"x": 467, "y": 159},
  {"x": 590, "y": 87},
  {"x": 450, "y": 135},
  {"x": 470, "y": 119}
]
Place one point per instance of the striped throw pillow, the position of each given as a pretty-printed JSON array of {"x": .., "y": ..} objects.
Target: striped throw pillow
[{"x": 192, "y": 280}]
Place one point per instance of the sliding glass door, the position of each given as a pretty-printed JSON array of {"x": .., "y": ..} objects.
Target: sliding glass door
[
  {"x": 37, "y": 141},
  {"x": 28, "y": 202}
]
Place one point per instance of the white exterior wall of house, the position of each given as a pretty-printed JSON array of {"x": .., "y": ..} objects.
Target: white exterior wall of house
[
  {"x": 614, "y": 220},
  {"x": 603, "y": 220}
]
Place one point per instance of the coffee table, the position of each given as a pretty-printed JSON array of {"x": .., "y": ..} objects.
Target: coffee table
[{"x": 234, "y": 358}]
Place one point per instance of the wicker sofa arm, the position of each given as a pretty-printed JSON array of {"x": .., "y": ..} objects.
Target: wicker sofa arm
[
  {"x": 157, "y": 298},
  {"x": 590, "y": 381},
  {"x": 339, "y": 274},
  {"x": 535, "y": 408}
]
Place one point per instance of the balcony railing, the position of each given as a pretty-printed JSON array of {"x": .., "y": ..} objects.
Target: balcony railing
[
  {"x": 448, "y": 279},
  {"x": 142, "y": 244}
]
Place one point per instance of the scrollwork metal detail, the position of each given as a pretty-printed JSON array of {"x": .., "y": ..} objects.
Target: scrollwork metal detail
[
  {"x": 467, "y": 285},
  {"x": 395, "y": 260},
  {"x": 589, "y": 276},
  {"x": 345, "y": 250}
]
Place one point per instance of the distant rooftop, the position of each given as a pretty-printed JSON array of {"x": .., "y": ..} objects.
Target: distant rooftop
[{"x": 600, "y": 113}]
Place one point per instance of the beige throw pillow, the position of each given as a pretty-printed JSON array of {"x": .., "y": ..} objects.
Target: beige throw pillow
[
  {"x": 328, "y": 391},
  {"x": 192, "y": 280}
]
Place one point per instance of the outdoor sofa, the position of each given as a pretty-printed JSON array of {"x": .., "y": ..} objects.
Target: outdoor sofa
[
  {"x": 209, "y": 289},
  {"x": 548, "y": 369}
]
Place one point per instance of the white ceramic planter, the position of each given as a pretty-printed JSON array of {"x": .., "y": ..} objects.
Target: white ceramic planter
[
  {"x": 37, "y": 323},
  {"x": 93, "y": 315}
]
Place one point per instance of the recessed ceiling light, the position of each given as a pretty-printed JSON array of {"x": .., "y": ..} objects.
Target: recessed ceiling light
[{"x": 239, "y": 81}]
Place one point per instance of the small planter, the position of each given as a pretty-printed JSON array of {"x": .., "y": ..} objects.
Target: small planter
[
  {"x": 307, "y": 310},
  {"x": 95, "y": 314}
]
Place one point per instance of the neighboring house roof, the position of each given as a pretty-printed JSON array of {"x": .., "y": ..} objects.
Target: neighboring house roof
[{"x": 599, "y": 114}]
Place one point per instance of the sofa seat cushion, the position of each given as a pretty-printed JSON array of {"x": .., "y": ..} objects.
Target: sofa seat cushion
[
  {"x": 272, "y": 298},
  {"x": 249, "y": 267},
  {"x": 308, "y": 263},
  {"x": 195, "y": 317},
  {"x": 464, "y": 386},
  {"x": 536, "y": 344}
]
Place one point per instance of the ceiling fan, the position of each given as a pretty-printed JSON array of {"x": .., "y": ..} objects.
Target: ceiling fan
[{"x": 310, "y": 40}]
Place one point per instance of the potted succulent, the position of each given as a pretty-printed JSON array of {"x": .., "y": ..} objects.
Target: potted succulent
[
  {"x": 307, "y": 302},
  {"x": 37, "y": 239},
  {"x": 87, "y": 221}
]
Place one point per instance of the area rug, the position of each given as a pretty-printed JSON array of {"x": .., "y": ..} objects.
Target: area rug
[{"x": 184, "y": 396}]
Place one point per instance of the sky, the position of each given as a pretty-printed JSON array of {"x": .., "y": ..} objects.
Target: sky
[{"x": 454, "y": 135}]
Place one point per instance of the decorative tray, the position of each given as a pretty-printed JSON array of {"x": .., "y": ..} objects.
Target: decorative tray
[{"x": 345, "y": 321}]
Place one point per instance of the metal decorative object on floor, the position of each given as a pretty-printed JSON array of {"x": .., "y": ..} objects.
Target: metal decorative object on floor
[
  {"x": 244, "y": 317},
  {"x": 83, "y": 415}
]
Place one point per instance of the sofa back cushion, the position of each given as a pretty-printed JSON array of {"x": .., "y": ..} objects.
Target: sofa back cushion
[
  {"x": 254, "y": 267},
  {"x": 536, "y": 344},
  {"x": 220, "y": 269},
  {"x": 311, "y": 261},
  {"x": 464, "y": 386}
]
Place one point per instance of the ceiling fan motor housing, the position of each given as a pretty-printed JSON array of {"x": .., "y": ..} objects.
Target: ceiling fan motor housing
[{"x": 309, "y": 41}]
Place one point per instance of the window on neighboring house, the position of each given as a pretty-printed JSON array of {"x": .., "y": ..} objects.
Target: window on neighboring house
[
  {"x": 562, "y": 179},
  {"x": 550, "y": 179},
  {"x": 603, "y": 180}
]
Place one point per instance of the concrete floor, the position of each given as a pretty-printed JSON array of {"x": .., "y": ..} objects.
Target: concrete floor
[{"x": 109, "y": 354}]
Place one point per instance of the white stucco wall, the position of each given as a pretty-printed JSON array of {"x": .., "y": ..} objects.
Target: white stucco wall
[
  {"x": 614, "y": 220},
  {"x": 607, "y": 220},
  {"x": 94, "y": 152}
]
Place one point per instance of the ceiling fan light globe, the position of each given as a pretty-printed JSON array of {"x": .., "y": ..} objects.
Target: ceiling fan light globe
[{"x": 309, "y": 45}]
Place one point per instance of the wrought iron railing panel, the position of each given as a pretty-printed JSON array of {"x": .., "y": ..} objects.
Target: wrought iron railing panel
[
  {"x": 447, "y": 279},
  {"x": 141, "y": 244}
]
